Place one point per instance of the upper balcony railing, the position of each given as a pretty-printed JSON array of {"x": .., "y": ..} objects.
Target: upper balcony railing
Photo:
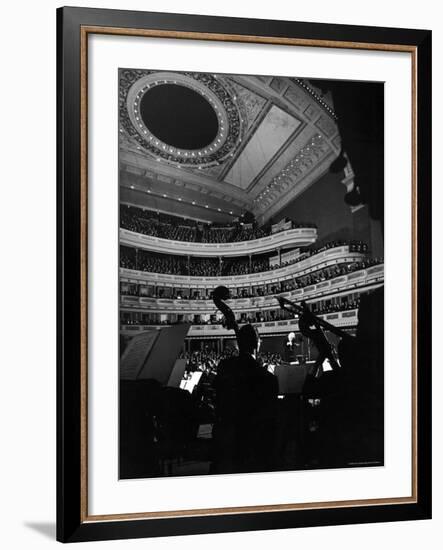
[
  {"x": 292, "y": 238},
  {"x": 329, "y": 257}
]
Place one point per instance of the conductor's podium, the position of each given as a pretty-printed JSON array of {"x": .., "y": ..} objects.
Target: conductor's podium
[{"x": 291, "y": 377}]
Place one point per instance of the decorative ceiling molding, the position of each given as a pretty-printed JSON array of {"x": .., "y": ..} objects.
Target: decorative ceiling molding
[
  {"x": 136, "y": 188},
  {"x": 136, "y": 162},
  {"x": 276, "y": 131},
  {"x": 310, "y": 155},
  {"x": 325, "y": 101},
  {"x": 246, "y": 100},
  {"x": 135, "y": 83}
]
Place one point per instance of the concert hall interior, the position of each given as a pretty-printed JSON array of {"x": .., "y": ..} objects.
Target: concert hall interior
[{"x": 269, "y": 191}]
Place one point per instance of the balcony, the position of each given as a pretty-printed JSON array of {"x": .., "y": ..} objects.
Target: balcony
[
  {"x": 341, "y": 319},
  {"x": 323, "y": 259},
  {"x": 367, "y": 279},
  {"x": 292, "y": 238}
]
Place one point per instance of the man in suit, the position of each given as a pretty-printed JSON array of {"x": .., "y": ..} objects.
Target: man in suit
[
  {"x": 290, "y": 348},
  {"x": 245, "y": 410}
]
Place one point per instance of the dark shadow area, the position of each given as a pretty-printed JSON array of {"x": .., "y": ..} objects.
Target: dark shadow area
[
  {"x": 47, "y": 529},
  {"x": 241, "y": 418}
]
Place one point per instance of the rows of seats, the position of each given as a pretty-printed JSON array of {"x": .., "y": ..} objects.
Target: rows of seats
[
  {"x": 152, "y": 262},
  {"x": 175, "y": 228},
  {"x": 288, "y": 285},
  {"x": 321, "y": 307}
]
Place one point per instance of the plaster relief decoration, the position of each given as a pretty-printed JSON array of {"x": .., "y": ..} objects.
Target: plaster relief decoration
[
  {"x": 250, "y": 130},
  {"x": 272, "y": 134}
]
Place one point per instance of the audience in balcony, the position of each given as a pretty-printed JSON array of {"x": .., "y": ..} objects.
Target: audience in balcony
[
  {"x": 344, "y": 305},
  {"x": 307, "y": 252},
  {"x": 210, "y": 234},
  {"x": 204, "y": 267},
  {"x": 142, "y": 260},
  {"x": 152, "y": 262},
  {"x": 211, "y": 267},
  {"x": 175, "y": 228},
  {"x": 321, "y": 307},
  {"x": 141, "y": 221},
  {"x": 244, "y": 266}
]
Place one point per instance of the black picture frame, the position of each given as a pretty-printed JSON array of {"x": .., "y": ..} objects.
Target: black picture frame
[{"x": 72, "y": 522}]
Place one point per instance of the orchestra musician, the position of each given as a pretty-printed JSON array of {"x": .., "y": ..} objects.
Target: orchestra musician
[
  {"x": 245, "y": 406},
  {"x": 351, "y": 394}
]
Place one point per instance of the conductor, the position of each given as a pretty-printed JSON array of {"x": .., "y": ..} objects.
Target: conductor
[
  {"x": 290, "y": 348},
  {"x": 245, "y": 407}
]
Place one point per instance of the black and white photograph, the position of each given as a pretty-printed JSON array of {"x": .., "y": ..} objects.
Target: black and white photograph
[
  {"x": 251, "y": 273},
  {"x": 226, "y": 219}
]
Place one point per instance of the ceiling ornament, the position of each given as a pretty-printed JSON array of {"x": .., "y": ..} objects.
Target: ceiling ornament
[
  {"x": 312, "y": 152},
  {"x": 320, "y": 99},
  {"x": 216, "y": 90}
]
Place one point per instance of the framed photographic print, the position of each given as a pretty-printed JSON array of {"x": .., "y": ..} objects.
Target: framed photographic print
[{"x": 244, "y": 330}]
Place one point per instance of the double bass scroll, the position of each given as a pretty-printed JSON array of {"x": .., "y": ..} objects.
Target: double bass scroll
[{"x": 219, "y": 295}]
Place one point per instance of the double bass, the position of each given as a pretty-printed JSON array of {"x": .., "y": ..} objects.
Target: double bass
[{"x": 219, "y": 295}]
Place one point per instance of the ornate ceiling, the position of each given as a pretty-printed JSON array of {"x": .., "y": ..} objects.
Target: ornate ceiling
[{"x": 269, "y": 139}]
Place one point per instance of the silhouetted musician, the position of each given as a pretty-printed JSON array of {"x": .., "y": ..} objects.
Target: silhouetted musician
[{"x": 246, "y": 400}]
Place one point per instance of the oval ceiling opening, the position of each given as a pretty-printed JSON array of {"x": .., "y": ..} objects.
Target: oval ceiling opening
[{"x": 179, "y": 116}]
